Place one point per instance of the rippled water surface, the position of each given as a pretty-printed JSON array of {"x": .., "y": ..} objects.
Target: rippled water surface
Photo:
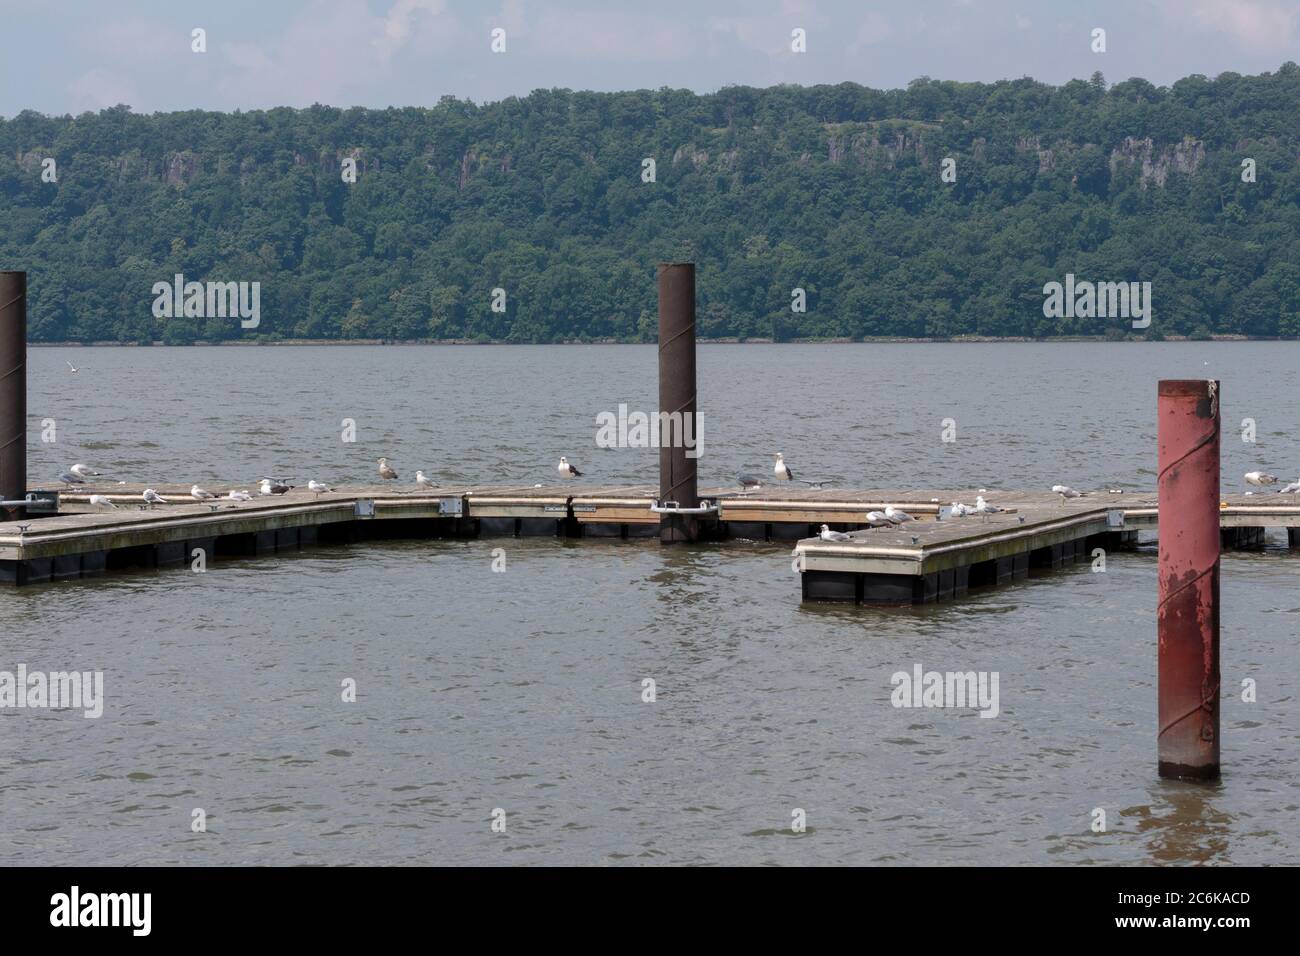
[{"x": 522, "y": 690}]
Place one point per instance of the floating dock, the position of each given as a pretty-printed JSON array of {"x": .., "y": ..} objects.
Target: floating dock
[{"x": 934, "y": 557}]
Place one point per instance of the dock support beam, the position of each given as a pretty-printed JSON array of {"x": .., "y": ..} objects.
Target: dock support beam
[
  {"x": 13, "y": 392},
  {"x": 677, "y": 472},
  {"x": 1188, "y": 608}
]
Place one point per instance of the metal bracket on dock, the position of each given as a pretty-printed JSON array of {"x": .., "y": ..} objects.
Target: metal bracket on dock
[
  {"x": 364, "y": 508},
  {"x": 450, "y": 506},
  {"x": 673, "y": 508},
  {"x": 1115, "y": 518}
]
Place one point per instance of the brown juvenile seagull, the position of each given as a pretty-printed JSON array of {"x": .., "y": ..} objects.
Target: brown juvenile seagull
[{"x": 385, "y": 471}]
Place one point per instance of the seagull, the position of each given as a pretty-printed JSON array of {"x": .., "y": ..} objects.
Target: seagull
[
  {"x": 101, "y": 501},
  {"x": 153, "y": 498},
  {"x": 71, "y": 366},
  {"x": 782, "y": 470},
  {"x": 984, "y": 508},
  {"x": 895, "y": 516},
  {"x": 239, "y": 496},
  {"x": 198, "y": 494},
  {"x": 68, "y": 478},
  {"x": 878, "y": 520},
  {"x": 83, "y": 471},
  {"x": 566, "y": 470},
  {"x": 319, "y": 487},
  {"x": 423, "y": 480},
  {"x": 960, "y": 510},
  {"x": 828, "y": 535},
  {"x": 748, "y": 482},
  {"x": 1290, "y": 489},
  {"x": 1260, "y": 478},
  {"x": 270, "y": 487},
  {"x": 1065, "y": 491},
  {"x": 385, "y": 472}
]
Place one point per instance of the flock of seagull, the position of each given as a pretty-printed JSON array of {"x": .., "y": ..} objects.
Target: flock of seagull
[{"x": 889, "y": 518}]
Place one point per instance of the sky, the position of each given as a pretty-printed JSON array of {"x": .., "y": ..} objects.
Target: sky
[{"x": 69, "y": 56}]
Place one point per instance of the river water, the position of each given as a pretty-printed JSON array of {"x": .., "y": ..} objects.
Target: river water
[{"x": 523, "y": 690}]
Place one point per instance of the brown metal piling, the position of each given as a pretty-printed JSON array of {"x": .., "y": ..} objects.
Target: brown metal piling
[
  {"x": 13, "y": 392},
  {"x": 677, "y": 471},
  {"x": 1188, "y": 609}
]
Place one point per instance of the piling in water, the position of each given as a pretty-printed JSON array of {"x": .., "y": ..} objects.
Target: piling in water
[
  {"x": 677, "y": 472},
  {"x": 1188, "y": 612},
  {"x": 13, "y": 391}
]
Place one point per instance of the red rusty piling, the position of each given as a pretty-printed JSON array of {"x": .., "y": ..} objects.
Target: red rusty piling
[
  {"x": 1188, "y": 613},
  {"x": 677, "y": 469}
]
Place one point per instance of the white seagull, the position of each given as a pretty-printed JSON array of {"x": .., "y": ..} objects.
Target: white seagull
[
  {"x": 895, "y": 516},
  {"x": 239, "y": 495},
  {"x": 319, "y": 487},
  {"x": 878, "y": 520},
  {"x": 68, "y": 478},
  {"x": 270, "y": 487},
  {"x": 423, "y": 480},
  {"x": 153, "y": 498},
  {"x": 1260, "y": 478},
  {"x": 960, "y": 510},
  {"x": 72, "y": 367},
  {"x": 198, "y": 494},
  {"x": 566, "y": 470},
  {"x": 385, "y": 471},
  {"x": 982, "y": 507},
  {"x": 781, "y": 469},
  {"x": 1290, "y": 489},
  {"x": 101, "y": 501},
  {"x": 83, "y": 471},
  {"x": 1065, "y": 491},
  {"x": 828, "y": 535}
]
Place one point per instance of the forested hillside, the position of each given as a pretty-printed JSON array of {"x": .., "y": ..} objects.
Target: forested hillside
[{"x": 832, "y": 189}]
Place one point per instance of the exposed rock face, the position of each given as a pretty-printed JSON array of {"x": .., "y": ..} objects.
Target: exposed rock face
[
  {"x": 698, "y": 158},
  {"x": 180, "y": 169},
  {"x": 1185, "y": 157}
]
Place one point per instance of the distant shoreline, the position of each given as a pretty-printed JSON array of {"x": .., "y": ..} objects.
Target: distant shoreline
[{"x": 882, "y": 340}]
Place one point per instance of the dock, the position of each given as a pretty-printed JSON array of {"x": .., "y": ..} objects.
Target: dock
[{"x": 935, "y": 557}]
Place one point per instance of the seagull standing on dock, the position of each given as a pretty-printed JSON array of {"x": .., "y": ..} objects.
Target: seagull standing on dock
[
  {"x": 68, "y": 478},
  {"x": 153, "y": 498},
  {"x": 982, "y": 507},
  {"x": 828, "y": 535},
  {"x": 1065, "y": 491},
  {"x": 83, "y": 471},
  {"x": 748, "y": 482},
  {"x": 198, "y": 494},
  {"x": 566, "y": 470},
  {"x": 385, "y": 470},
  {"x": 781, "y": 469},
  {"x": 1260, "y": 478},
  {"x": 101, "y": 501},
  {"x": 272, "y": 487},
  {"x": 423, "y": 480},
  {"x": 877, "y": 520},
  {"x": 960, "y": 510},
  {"x": 319, "y": 487},
  {"x": 895, "y": 516}
]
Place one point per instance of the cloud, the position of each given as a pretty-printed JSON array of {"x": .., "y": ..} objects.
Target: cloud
[
  {"x": 1260, "y": 26},
  {"x": 98, "y": 89}
]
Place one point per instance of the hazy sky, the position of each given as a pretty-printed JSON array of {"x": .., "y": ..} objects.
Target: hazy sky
[{"x": 60, "y": 56}]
